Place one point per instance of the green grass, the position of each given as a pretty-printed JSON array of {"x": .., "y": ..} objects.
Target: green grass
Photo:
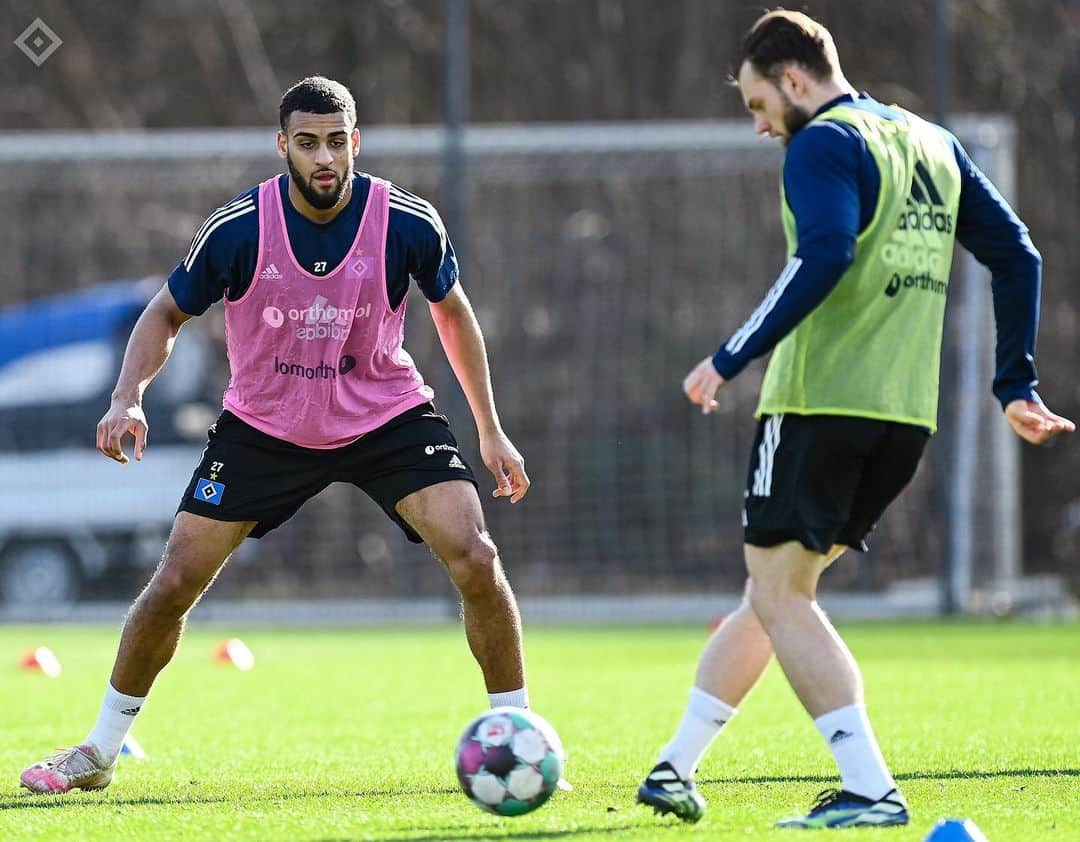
[{"x": 348, "y": 735}]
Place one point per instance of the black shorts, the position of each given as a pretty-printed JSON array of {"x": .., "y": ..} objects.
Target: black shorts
[
  {"x": 247, "y": 475},
  {"x": 826, "y": 479}
]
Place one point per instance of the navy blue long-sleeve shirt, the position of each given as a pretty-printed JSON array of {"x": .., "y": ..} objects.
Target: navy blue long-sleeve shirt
[
  {"x": 832, "y": 182},
  {"x": 221, "y": 259}
]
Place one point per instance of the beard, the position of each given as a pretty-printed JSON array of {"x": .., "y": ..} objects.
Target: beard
[
  {"x": 794, "y": 116},
  {"x": 318, "y": 197}
]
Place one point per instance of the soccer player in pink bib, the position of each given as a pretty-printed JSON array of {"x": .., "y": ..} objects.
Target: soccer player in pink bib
[{"x": 314, "y": 266}]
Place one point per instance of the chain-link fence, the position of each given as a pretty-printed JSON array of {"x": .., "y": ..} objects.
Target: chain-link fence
[{"x": 603, "y": 261}]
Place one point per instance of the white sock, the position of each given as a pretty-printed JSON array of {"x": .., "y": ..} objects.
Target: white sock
[
  {"x": 849, "y": 735},
  {"x": 118, "y": 712},
  {"x": 705, "y": 716},
  {"x": 511, "y": 698}
]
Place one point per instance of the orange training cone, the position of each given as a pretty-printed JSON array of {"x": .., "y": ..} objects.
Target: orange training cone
[
  {"x": 43, "y": 659},
  {"x": 234, "y": 651}
]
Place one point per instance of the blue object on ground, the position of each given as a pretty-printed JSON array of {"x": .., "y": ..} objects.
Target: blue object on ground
[
  {"x": 956, "y": 830},
  {"x": 131, "y": 746}
]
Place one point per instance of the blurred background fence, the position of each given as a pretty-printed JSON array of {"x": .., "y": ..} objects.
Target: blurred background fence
[{"x": 603, "y": 260}]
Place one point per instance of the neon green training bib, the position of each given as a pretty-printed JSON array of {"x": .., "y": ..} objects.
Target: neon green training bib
[{"x": 872, "y": 348}]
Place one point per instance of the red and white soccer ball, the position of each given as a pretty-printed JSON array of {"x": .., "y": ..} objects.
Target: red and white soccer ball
[{"x": 509, "y": 761}]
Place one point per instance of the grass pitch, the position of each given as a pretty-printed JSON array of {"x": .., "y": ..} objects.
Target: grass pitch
[{"x": 348, "y": 734}]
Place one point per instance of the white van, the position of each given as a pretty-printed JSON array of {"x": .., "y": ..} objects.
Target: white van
[{"x": 74, "y": 524}]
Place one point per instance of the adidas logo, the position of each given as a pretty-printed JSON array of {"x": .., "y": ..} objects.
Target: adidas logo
[
  {"x": 131, "y": 711},
  {"x": 924, "y": 216},
  {"x": 839, "y": 736},
  {"x": 455, "y": 462},
  {"x": 923, "y": 205},
  {"x": 270, "y": 273}
]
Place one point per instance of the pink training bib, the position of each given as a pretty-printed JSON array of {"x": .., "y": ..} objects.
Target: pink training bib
[{"x": 317, "y": 360}]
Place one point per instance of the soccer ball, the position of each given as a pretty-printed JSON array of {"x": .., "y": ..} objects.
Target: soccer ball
[{"x": 509, "y": 761}]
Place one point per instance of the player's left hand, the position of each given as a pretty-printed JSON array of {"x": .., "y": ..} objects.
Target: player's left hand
[
  {"x": 701, "y": 384},
  {"x": 506, "y": 465},
  {"x": 1035, "y": 423}
]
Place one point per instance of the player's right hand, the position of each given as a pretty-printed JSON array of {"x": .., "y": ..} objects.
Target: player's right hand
[{"x": 121, "y": 419}]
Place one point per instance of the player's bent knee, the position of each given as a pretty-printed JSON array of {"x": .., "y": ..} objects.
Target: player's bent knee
[
  {"x": 764, "y": 606},
  {"x": 176, "y": 585},
  {"x": 473, "y": 564},
  {"x": 772, "y": 600}
]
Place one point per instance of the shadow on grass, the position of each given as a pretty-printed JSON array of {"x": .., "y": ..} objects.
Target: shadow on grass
[
  {"x": 461, "y": 832},
  {"x": 447, "y": 833},
  {"x": 31, "y": 801},
  {"x": 950, "y": 775}
]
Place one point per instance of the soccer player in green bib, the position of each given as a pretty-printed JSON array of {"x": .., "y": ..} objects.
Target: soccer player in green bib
[{"x": 873, "y": 199}]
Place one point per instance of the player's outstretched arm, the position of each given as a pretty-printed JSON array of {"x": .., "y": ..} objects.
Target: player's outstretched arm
[
  {"x": 463, "y": 342},
  {"x": 1033, "y": 422},
  {"x": 148, "y": 348}
]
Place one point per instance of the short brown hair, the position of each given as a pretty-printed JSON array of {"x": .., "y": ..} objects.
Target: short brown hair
[{"x": 779, "y": 37}]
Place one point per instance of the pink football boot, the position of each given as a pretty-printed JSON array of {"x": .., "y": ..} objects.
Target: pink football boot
[{"x": 76, "y": 768}]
